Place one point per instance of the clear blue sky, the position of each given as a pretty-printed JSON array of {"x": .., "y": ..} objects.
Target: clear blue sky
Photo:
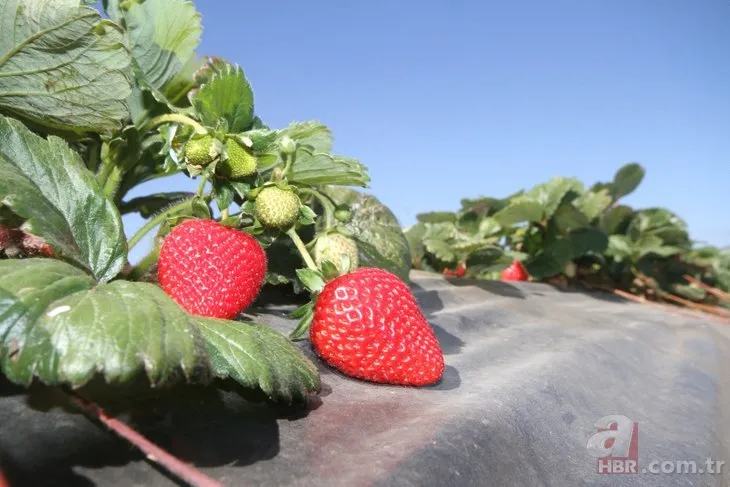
[{"x": 449, "y": 100}]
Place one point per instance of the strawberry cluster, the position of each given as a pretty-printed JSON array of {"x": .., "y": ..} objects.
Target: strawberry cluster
[{"x": 366, "y": 323}]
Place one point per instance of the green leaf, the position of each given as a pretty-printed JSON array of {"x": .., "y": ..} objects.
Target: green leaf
[
  {"x": 330, "y": 270},
  {"x": 598, "y": 187},
  {"x": 689, "y": 291},
  {"x": 227, "y": 96},
  {"x": 662, "y": 223},
  {"x": 469, "y": 223},
  {"x": 305, "y": 313},
  {"x": 376, "y": 230},
  {"x": 224, "y": 194},
  {"x": 62, "y": 66},
  {"x": 484, "y": 206},
  {"x": 487, "y": 259},
  {"x": 593, "y": 203},
  {"x": 60, "y": 326},
  {"x": 551, "y": 260},
  {"x": 440, "y": 231},
  {"x": 311, "y": 136},
  {"x": 163, "y": 36},
  {"x": 522, "y": 210},
  {"x": 324, "y": 169},
  {"x": 262, "y": 139},
  {"x": 587, "y": 241},
  {"x": 664, "y": 251},
  {"x": 440, "y": 249},
  {"x": 616, "y": 219},
  {"x": 489, "y": 226},
  {"x": 702, "y": 256},
  {"x": 257, "y": 356},
  {"x": 552, "y": 193},
  {"x": 177, "y": 88},
  {"x": 414, "y": 235},
  {"x": 46, "y": 183},
  {"x": 627, "y": 179},
  {"x": 437, "y": 217},
  {"x": 619, "y": 247},
  {"x": 469, "y": 246},
  {"x": 148, "y": 205},
  {"x": 646, "y": 244},
  {"x": 311, "y": 279},
  {"x": 568, "y": 217},
  {"x": 113, "y": 10},
  {"x": 307, "y": 216}
]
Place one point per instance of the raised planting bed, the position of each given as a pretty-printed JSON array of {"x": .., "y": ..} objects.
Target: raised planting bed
[{"x": 530, "y": 370}]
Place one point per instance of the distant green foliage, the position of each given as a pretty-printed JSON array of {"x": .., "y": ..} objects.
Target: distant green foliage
[{"x": 563, "y": 229}]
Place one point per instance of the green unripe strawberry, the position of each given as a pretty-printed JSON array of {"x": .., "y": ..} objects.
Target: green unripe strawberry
[
  {"x": 277, "y": 208},
  {"x": 240, "y": 163},
  {"x": 199, "y": 151},
  {"x": 343, "y": 214},
  {"x": 332, "y": 246}
]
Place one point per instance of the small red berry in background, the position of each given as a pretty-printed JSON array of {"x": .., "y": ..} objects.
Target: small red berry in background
[
  {"x": 515, "y": 272},
  {"x": 460, "y": 271}
]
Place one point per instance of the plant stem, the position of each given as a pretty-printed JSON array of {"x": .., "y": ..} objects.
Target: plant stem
[
  {"x": 301, "y": 248},
  {"x": 201, "y": 186},
  {"x": 172, "y": 117},
  {"x": 327, "y": 204},
  {"x": 289, "y": 162},
  {"x": 147, "y": 261},
  {"x": 93, "y": 163},
  {"x": 107, "y": 164},
  {"x": 224, "y": 213},
  {"x": 111, "y": 184},
  {"x": 154, "y": 453},
  {"x": 154, "y": 222}
]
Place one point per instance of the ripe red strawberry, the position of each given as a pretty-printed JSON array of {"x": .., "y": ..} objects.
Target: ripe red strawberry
[
  {"x": 460, "y": 271},
  {"x": 515, "y": 272},
  {"x": 368, "y": 325},
  {"x": 210, "y": 269}
]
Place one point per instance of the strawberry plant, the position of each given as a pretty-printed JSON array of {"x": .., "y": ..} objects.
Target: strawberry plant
[
  {"x": 562, "y": 231},
  {"x": 92, "y": 107}
]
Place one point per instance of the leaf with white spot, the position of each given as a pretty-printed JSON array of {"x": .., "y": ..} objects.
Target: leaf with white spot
[{"x": 57, "y": 324}]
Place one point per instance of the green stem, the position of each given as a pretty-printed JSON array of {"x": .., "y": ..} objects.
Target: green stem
[
  {"x": 107, "y": 164},
  {"x": 327, "y": 204},
  {"x": 172, "y": 118},
  {"x": 93, "y": 163},
  {"x": 147, "y": 261},
  {"x": 151, "y": 224},
  {"x": 201, "y": 186},
  {"x": 289, "y": 162},
  {"x": 301, "y": 248},
  {"x": 224, "y": 214},
  {"x": 111, "y": 183}
]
